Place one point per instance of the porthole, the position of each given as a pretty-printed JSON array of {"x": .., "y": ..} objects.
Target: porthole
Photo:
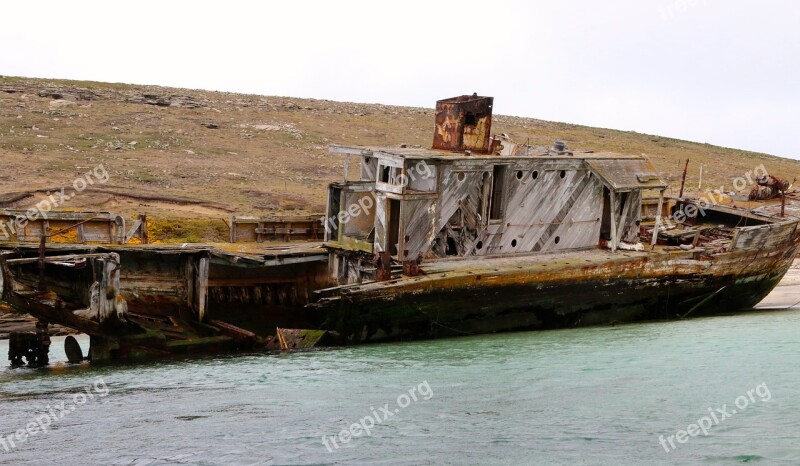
[
  {"x": 461, "y": 176},
  {"x": 513, "y": 243},
  {"x": 563, "y": 174},
  {"x": 558, "y": 238},
  {"x": 479, "y": 245},
  {"x": 520, "y": 174},
  {"x": 535, "y": 174}
]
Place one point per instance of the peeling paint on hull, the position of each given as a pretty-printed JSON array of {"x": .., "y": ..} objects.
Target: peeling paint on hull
[{"x": 541, "y": 296}]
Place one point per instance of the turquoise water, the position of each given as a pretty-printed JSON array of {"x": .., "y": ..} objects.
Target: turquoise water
[{"x": 583, "y": 396}]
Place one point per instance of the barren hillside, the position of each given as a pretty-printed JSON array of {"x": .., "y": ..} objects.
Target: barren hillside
[{"x": 177, "y": 153}]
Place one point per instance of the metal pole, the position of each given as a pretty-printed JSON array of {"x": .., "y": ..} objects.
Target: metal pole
[
  {"x": 783, "y": 202},
  {"x": 683, "y": 179}
]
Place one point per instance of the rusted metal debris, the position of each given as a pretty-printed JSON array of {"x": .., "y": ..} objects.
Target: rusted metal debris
[
  {"x": 411, "y": 266},
  {"x": 383, "y": 266},
  {"x": 768, "y": 187},
  {"x": 683, "y": 178},
  {"x": 463, "y": 124}
]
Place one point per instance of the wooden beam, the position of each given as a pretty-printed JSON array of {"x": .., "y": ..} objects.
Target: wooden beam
[
  {"x": 613, "y": 220},
  {"x": 658, "y": 218},
  {"x": 201, "y": 288},
  {"x": 232, "y": 228},
  {"x": 624, "y": 216}
]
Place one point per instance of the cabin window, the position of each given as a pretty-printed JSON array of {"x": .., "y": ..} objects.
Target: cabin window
[
  {"x": 535, "y": 174},
  {"x": 498, "y": 189},
  {"x": 420, "y": 177},
  {"x": 520, "y": 174},
  {"x": 389, "y": 174},
  {"x": 470, "y": 119}
]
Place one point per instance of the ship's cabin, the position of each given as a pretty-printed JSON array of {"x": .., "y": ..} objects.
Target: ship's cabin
[{"x": 475, "y": 195}]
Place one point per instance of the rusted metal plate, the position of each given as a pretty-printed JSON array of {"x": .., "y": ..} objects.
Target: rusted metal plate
[{"x": 463, "y": 123}]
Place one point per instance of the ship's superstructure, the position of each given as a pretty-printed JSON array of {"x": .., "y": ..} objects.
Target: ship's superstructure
[{"x": 476, "y": 195}]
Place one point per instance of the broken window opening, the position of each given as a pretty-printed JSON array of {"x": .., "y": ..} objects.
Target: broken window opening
[
  {"x": 457, "y": 219},
  {"x": 452, "y": 249},
  {"x": 470, "y": 119},
  {"x": 623, "y": 199},
  {"x": 393, "y": 226},
  {"x": 498, "y": 188},
  {"x": 483, "y": 200},
  {"x": 605, "y": 225},
  {"x": 385, "y": 174}
]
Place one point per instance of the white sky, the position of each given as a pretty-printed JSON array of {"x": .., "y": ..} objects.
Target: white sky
[{"x": 716, "y": 71}]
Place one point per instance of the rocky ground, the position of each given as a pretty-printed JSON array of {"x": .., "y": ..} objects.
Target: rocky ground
[{"x": 178, "y": 153}]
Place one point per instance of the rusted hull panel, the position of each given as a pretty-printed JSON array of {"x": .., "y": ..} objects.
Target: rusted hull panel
[{"x": 549, "y": 295}]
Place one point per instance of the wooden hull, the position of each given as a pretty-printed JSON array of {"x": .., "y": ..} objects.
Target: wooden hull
[
  {"x": 566, "y": 290},
  {"x": 206, "y": 300}
]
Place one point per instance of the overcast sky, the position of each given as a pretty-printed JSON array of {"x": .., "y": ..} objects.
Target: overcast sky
[{"x": 726, "y": 72}]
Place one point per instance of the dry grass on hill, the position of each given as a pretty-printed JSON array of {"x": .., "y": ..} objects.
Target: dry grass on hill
[{"x": 181, "y": 154}]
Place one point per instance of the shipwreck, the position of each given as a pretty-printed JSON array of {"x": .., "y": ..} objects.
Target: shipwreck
[{"x": 476, "y": 234}]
